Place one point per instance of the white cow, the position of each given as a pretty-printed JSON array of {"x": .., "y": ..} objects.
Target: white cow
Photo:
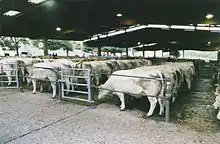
[
  {"x": 137, "y": 86},
  {"x": 150, "y": 87},
  {"x": 100, "y": 68},
  {"x": 216, "y": 104},
  {"x": 51, "y": 71}
]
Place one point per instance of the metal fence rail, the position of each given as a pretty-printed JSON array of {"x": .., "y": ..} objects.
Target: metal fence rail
[
  {"x": 88, "y": 85},
  {"x": 88, "y": 92},
  {"x": 9, "y": 70}
]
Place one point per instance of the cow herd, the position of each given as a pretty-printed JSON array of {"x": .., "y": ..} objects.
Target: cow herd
[
  {"x": 150, "y": 81},
  {"x": 136, "y": 77}
]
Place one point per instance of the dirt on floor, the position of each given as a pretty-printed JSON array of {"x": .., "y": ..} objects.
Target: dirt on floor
[{"x": 26, "y": 118}]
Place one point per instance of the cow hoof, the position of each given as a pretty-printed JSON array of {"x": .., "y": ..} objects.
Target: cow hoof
[
  {"x": 160, "y": 114},
  {"x": 148, "y": 115},
  {"x": 53, "y": 97},
  {"x": 33, "y": 92},
  {"x": 122, "y": 109},
  {"x": 143, "y": 116}
]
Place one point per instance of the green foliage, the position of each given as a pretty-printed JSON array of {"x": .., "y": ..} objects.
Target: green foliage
[
  {"x": 36, "y": 43},
  {"x": 12, "y": 42},
  {"x": 175, "y": 53},
  {"x": 113, "y": 49},
  {"x": 59, "y": 44},
  {"x": 87, "y": 49},
  {"x": 6, "y": 42}
]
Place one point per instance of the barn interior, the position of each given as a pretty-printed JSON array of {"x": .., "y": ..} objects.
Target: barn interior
[{"x": 145, "y": 25}]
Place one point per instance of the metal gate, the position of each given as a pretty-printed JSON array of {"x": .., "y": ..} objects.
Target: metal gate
[
  {"x": 9, "y": 75},
  {"x": 81, "y": 95}
]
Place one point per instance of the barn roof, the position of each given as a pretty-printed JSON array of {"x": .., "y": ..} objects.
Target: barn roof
[{"x": 81, "y": 19}]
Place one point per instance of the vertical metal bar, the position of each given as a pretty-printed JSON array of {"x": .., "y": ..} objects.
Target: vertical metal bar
[
  {"x": 20, "y": 78},
  {"x": 89, "y": 87},
  {"x": 17, "y": 75},
  {"x": 62, "y": 84},
  {"x": 60, "y": 88},
  {"x": 167, "y": 109},
  {"x": 167, "y": 113}
]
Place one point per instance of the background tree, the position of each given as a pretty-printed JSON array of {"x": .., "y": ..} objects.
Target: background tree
[
  {"x": 36, "y": 43},
  {"x": 60, "y": 44},
  {"x": 87, "y": 49},
  {"x": 175, "y": 53},
  {"x": 113, "y": 50},
  {"x": 13, "y": 43}
]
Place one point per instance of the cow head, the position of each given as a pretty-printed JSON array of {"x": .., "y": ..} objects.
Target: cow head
[
  {"x": 218, "y": 115},
  {"x": 102, "y": 92},
  {"x": 216, "y": 105}
]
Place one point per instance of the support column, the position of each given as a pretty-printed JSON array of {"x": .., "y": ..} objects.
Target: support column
[
  {"x": 154, "y": 54},
  {"x": 0, "y": 29},
  {"x": 143, "y": 54},
  {"x": 127, "y": 52},
  {"x": 218, "y": 56},
  {"x": 45, "y": 41},
  {"x": 99, "y": 51},
  {"x": 162, "y": 53},
  {"x": 183, "y": 54}
]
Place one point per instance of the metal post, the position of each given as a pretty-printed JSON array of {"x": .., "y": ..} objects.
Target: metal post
[
  {"x": 60, "y": 88},
  {"x": 126, "y": 52},
  {"x": 62, "y": 85},
  {"x": 218, "y": 57},
  {"x": 45, "y": 47},
  {"x": 183, "y": 54},
  {"x": 89, "y": 87},
  {"x": 154, "y": 54},
  {"x": 162, "y": 53},
  {"x": 143, "y": 53},
  {"x": 99, "y": 51},
  {"x": 167, "y": 113},
  {"x": 168, "y": 96},
  {"x": 19, "y": 77}
]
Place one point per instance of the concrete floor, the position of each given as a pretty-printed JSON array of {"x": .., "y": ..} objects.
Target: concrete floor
[{"x": 38, "y": 119}]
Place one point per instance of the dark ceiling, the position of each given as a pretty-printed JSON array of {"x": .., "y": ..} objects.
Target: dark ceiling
[
  {"x": 80, "y": 19},
  {"x": 165, "y": 39}
]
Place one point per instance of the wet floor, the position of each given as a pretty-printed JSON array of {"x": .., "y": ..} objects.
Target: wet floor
[{"x": 195, "y": 108}]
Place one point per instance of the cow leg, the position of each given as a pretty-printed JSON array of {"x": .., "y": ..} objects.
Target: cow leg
[
  {"x": 72, "y": 81},
  {"x": 67, "y": 85},
  {"x": 41, "y": 86},
  {"x": 53, "y": 85},
  {"x": 153, "y": 103},
  {"x": 122, "y": 99},
  {"x": 97, "y": 80},
  {"x": 34, "y": 86},
  {"x": 9, "y": 80},
  {"x": 9, "y": 73},
  {"x": 161, "y": 106}
]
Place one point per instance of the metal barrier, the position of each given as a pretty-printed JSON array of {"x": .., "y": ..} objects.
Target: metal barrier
[
  {"x": 167, "y": 96},
  {"x": 9, "y": 75},
  {"x": 88, "y": 84}
]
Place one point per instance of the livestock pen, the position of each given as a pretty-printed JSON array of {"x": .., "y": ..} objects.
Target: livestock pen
[
  {"x": 91, "y": 91},
  {"x": 62, "y": 90}
]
